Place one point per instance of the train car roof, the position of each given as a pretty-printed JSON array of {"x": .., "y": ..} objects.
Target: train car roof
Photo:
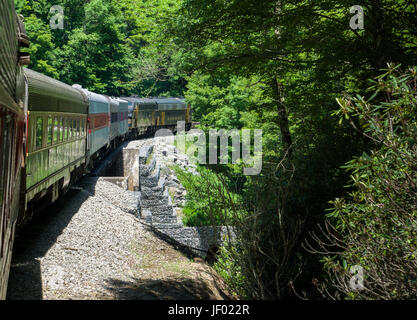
[
  {"x": 130, "y": 99},
  {"x": 48, "y": 94},
  {"x": 145, "y": 101},
  {"x": 166, "y": 104},
  {"x": 169, "y": 101},
  {"x": 92, "y": 95},
  {"x": 122, "y": 100},
  {"x": 152, "y": 100},
  {"x": 112, "y": 100},
  {"x": 160, "y": 103}
]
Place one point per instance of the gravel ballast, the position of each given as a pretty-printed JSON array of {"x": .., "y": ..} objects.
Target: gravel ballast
[{"x": 90, "y": 245}]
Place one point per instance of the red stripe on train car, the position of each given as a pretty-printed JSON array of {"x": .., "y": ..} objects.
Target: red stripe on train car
[{"x": 99, "y": 121}]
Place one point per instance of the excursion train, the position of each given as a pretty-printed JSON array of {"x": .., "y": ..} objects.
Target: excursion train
[
  {"x": 51, "y": 132},
  {"x": 68, "y": 127}
]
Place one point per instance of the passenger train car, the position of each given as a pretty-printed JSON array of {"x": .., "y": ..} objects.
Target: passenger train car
[
  {"x": 123, "y": 118},
  {"x": 98, "y": 129},
  {"x": 51, "y": 132},
  {"x": 147, "y": 115},
  {"x": 56, "y": 118},
  {"x": 12, "y": 126}
]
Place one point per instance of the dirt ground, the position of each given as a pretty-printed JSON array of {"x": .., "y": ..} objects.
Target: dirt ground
[{"x": 88, "y": 247}]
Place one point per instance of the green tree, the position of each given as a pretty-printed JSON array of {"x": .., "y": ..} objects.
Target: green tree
[
  {"x": 96, "y": 55},
  {"x": 375, "y": 226}
]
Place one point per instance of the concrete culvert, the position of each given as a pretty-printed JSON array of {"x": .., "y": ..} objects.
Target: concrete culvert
[{"x": 122, "y": 168}]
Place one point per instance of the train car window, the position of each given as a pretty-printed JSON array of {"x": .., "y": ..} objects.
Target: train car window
[
  {"x": 78, "y": 127},
  {"x": 68, "y": 124},
  {"x": 39, "y": 132},
  {"x": 69, "y": 129},
  {"x": 74, "y": 128},
  {"x": 50, "y": 125},
  {"x": 56, "y": 130},
  {"x": 114, "y": 117},
  {"x": 83, "y": 127},
  {"x": 61, "y": 129},
  {"x": 65, "y": 122}
]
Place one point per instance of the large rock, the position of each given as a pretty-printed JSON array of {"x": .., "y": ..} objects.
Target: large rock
[
  {"x": 144, "y": 153},
  {"x": 146, "y": 169},
  {"x": 152, "y": 180},
  {"x": 162, "y": 210},
  {"x": 157, "y": 202},
  {"x": 152, "y": 193}
]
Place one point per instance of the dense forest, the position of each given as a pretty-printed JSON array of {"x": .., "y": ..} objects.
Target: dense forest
[{"x": 337, "y": 106}]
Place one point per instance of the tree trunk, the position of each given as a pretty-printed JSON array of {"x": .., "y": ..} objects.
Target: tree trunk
[{"x": 282, "y": 116}]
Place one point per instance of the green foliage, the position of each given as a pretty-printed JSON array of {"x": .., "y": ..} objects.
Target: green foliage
[
  {"x": 276, "y": 66},
  {"x": 301, "y": 55},
  {"x": 41, "y": 51},
  {"x": 206, "y": 198},
  {"x": 231, "y": 271},
  {"x": 219, "y": 102},
  {"x": 97, "y": 55},
  {"x": 378, "y": 222},
  {"x": 111, "y": 47}
]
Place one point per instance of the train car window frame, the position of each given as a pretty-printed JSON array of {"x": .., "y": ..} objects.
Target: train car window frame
[
  {"x": 78, "y": 127},
  {"x": 83, "y": 127},
  {"x": 49, "y": 130},
  {"x": 74, "y": 129},
  {"x": 38, "y": 143},
  {"x": 61, "y": 129},
  {"x": 69, "y": 123},
  {"x": 55, "y": 131},
  {"x": 65, "y": 136}
]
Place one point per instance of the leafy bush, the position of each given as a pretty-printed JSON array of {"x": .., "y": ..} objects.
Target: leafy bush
[
  {"x": 231, "y": 271},
  {"x": 376, "y": 227},
  {"x": 207, "y": 198}
]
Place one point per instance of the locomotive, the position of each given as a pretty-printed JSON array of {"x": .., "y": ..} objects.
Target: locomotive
[{"x": 51, "y": 132}]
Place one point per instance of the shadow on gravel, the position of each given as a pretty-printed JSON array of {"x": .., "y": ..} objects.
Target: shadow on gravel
[
  {"x": 170, "y": 289},
  {"x": 34, "y": 241}
]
